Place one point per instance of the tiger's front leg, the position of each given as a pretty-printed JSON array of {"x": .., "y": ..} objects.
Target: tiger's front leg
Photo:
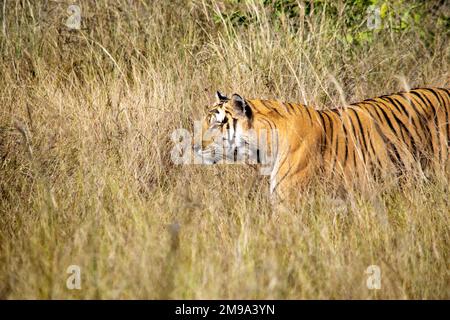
[{"x": 292, "y": 180}]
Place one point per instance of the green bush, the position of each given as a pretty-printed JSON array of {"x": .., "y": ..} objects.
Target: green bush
[{"x": 394, "y": 16}]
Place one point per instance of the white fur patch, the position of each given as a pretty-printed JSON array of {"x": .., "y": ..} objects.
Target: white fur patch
[{"x": 220, "y": 116}]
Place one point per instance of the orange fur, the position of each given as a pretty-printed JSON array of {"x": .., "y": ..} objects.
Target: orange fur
[{"x": 375, "y": 138}]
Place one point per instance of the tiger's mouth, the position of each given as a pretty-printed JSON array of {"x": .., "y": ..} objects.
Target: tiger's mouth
[
  {"x": 209, "y": 155},
  {"x": 212, "y": 156},
  {"x": 216, "y": 155}
]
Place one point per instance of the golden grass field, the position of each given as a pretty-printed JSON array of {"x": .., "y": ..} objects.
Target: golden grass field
[{"x": 86, "y": 177}]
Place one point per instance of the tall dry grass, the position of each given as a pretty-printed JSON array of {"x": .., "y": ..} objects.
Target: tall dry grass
[{"x": 86, "y": 177}]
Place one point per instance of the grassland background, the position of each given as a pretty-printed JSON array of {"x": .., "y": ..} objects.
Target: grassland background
[{"x": 85, "y": 171}]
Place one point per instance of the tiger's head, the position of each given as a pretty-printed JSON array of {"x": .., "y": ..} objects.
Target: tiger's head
[{"x": 225, "y": 130}]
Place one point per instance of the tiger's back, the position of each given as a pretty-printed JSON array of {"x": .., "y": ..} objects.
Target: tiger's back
[{"x": 400, "y": 132}]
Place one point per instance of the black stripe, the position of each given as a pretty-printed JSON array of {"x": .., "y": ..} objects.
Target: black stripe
[
  {"x": 405, "y": 111},
  {"x": 421, "y": 115},
  {"x": 389, "y": 145},
  {"x": 398, "y": 103},
  {"x": 375, "y": 121},
  {"x": 433, "y": 147},
  {"x": 252, "y": 106},
  {"x": 387, "y": 120},
  {"x": 289, "y": 108},
  {"x": 418, "y": 94},
  {"x": 322, "y": 147},
  {"x": 385, "y": 116},
  {"x": 374, "y": 153},
  {"x": 388, "y": 101},
  {"x": 330, "y": 121},
  {"x": 361, "y": 130},
  {"x": 281, "y": 179},
  {"x": 445, "y": 107},
  {"x": 437, "y": 95},
  {"x": 279, "y": 167},
  {"x": 424, "y": 103},
  {"x": 346, "y": 143},
  {"x": 334, "y": 141},
  {"x": 422, "y": 123},
  {"x": 412, "y": 141},
  {"x": 234, "y": 137},
  {"x": 355, "y": 144},
  {"x": 370, "y": 143},
  {"x": 374, "y": 107},
  {"x": 268, "y": 106},
  {"x": 436, "y": 125},
  {"x": 309, "y": 114},
  {"x": 268, "y": 122}
]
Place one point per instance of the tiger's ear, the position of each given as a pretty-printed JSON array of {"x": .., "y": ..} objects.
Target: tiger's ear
[
  {"x": 220, "y": 97},
  {"x": 240, "y": 106}
]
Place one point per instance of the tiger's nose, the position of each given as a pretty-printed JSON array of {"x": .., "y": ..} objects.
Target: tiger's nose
[{"x": 197, "y": 148}]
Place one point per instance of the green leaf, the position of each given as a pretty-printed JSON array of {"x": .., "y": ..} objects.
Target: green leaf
[{"x": 383, "y": 10}]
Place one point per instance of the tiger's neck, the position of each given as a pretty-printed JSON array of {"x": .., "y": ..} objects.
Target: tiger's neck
[{"x": 291, "y": 138}]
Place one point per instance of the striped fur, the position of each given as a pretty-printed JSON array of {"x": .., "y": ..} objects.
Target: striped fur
[{"x": 392, "y": 134}]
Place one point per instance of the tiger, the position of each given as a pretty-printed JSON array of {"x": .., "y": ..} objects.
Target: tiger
[{"x": 369, "y": 140}]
